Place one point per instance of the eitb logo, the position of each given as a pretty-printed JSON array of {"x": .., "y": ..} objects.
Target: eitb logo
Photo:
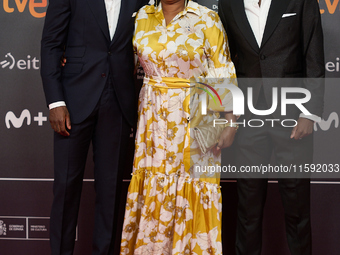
[{"x": 27, "y": 63}]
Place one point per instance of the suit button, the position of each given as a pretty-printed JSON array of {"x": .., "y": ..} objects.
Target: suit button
[
  {"x": 109, "y": 53},
  {"x": 262, "y": 57},
  {"x": 103, "y": 75}
]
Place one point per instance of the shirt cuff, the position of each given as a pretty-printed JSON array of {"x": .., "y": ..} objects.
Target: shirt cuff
[
  {"x": 56, "y": 104},
  {"x": 311, "y": 117}
]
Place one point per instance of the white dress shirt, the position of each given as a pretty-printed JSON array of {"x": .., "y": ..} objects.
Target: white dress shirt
[
  {"x": 257, "y": 18},
  {"x": 112, "y": 12}
]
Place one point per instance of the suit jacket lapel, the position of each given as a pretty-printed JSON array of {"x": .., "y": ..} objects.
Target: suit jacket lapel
[
  {"x": 99, "y": 11},
  {"x": 241, "y": 19},
  {"x": 277, "y": 9}
]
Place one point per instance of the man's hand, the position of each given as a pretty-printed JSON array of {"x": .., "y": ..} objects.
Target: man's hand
[
  {"x": 302, "y": 129},
  {"x": 60, "y": 120},
  {"x": 227, "y": 136},
  {"x": 63, "y": 60}
]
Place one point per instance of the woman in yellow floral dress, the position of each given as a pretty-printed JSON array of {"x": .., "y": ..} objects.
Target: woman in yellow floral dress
[{"x": 169, "y": 210}]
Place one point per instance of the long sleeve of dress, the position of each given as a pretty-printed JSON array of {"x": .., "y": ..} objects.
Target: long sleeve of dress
[{"x": 221, "y": 70}]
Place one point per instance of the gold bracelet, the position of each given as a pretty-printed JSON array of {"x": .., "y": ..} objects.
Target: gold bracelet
[{"x": 232, "y": 125}]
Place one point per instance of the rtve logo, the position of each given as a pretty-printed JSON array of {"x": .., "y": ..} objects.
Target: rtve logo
[
  {"x": 25, "y": 117},
  {"x": 331, "y": 6},
  {"x": 34, "y": 7},
  {"x": 21, "y": 64}
]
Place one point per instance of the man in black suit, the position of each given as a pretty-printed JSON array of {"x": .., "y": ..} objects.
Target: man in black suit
[
  {"x": 91, "y": 99},
  {"x": 275, "y": 39}
]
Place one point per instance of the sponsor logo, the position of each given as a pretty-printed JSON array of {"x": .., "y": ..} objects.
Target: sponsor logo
[
  {"x": 21, "y": 64},
  {"x": 3, "y": 229},
  {"x": 18, "y": 122},
  {"x": 325, "y": 125},
  {"x": 333, "y": 66},
  {"x": 328, "y": 6},
  {"x": 25, "y": 228},
  {"x": 37, "y": 8},
  {"x": 140, "y": 73}
]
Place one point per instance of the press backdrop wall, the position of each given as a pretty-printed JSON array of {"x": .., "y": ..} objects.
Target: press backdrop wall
[{"x": 26, "y": 172}]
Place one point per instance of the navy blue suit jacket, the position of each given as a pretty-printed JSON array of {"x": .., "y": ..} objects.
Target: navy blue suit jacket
[{"x": 79, "y": 29}]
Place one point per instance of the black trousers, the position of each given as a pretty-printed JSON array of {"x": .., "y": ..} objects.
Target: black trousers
[
  {"x": 254, "y": 146},
  {"x": 109, "y": 132}
]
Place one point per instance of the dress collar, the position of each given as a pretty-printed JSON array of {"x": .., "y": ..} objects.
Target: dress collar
[{"x": 192, "y": 7}]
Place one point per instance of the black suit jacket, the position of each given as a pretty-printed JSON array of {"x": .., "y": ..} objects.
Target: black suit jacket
[
  {"x": 79, "y": 29},
  {"x": 291, "y": 47}
]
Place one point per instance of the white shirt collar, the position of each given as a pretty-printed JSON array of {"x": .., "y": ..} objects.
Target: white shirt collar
[
  {"x": 112, "y": 12},
  {"x": 257, "y": 17}
]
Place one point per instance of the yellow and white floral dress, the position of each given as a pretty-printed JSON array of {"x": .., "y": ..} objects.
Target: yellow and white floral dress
[{"x": 169, "y": 210}]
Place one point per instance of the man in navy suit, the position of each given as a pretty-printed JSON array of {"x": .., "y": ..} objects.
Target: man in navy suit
[
  {"x": 91, "y": 99},
  {"x": 275, "y": 39}
]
